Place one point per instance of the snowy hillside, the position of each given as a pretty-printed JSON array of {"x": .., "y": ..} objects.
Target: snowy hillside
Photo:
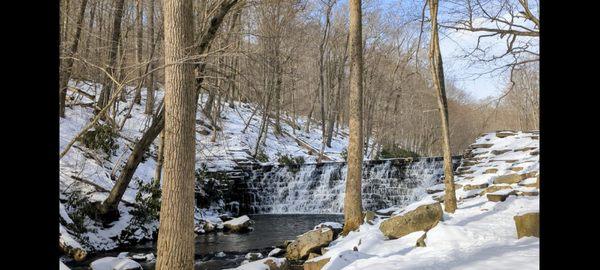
[
  {"x": 481, "y": 234},
  {"x": 93, "y": 172}
]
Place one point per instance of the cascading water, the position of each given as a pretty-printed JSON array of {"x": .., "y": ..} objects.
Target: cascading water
[{"x": 319, "y": 188}]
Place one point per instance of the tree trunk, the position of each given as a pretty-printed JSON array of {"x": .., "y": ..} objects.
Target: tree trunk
[
  {"x": 68, "y": 63},
  {"x": 437, "y": 71},
  {"x": 112, "y": 55},
  {"x": 150, "y": 82},
  {"x": 353, "y": 199},
  {"x": 139, "y": 36},
  {"x": 175, "y": 247}
]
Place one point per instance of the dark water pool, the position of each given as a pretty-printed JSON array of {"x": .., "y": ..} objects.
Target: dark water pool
[{"x": 269, "y": 231}]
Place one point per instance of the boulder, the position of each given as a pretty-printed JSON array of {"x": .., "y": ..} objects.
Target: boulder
[
  {"x": 509, "y": 178},
  {"x": 313, "y": 255},
  {"x": 114, "y": 263},
  {"x": 315, "y": 264},
  {"x": 240, "y": 224},
  {"x": 500, "y": 196},
  {"x": 528, "y": 224},
  {"x": 308, "y": 242},
  {"x": 422, "y": 218},
  {"x": 504, "y": 134},
  {"x": 475, "y": 186},
  {"x": 208, "y": 227},
  {"x": 481, "y": 145},
  {"x": 439, "y": 197},
  {"x": 528, "y": 193},
  {"x": 334, "y": 226},
  {"x": 276, "y": 263},
  {"x": 491, "y": 170},
  {"x": 516, "y": 169}
]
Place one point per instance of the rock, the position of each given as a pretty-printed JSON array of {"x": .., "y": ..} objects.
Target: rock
[
  {"x": 324, "y": 250},
  {"x": 422, "y": 218},
  {"x": 509, "y": 178},
  {"x": 528, "y": 224},
  {"x": 439, "y": 188},
  {"x": 516, "y": 169},
  {"x": 525, "y": 149},
  {"x": 113, "y": 263},
  {"x": 287, "y": 243},
  {"x": 504, "y": 134},
  {"x": 313, "y": 255},
  {"x": 240, "y": 224},
  {"x": 537, "y": 183},
  {"x": 528, "y": 193},
  {"x": 468, "y": 163},
  {"x": 208, "y": 227},
  {"x": 277, "y": 263},
  {"x": 315, "y": 264},
  {"x": 421, "y": 240},
  {"x": 308, "y": 242},
  {"x": 369, "y": 217},
  {"x": 500, "y": 152},
  {"x": 276, "y": 252},
  {"x": 534, "y": 153},
  {"x": 494, "y": 188},
  {"x": 253, "y": 256},
  {"x": 475, "y": 186},
  {"x": 500, "y": 196},
  {"x": 491, "y": 170},
  {"x": 439, "y": 198}
]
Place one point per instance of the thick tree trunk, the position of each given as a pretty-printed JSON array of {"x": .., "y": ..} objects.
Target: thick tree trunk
[
  {"x": 112, "y": 55},
  {"x": 68, "y": 63},
  {"x": 353, "y": 199},
  {"x": 175, "y": 247},
  {"x": 437, "y": 71}
]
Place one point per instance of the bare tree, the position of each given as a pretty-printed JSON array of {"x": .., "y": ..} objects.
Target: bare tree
[
  {"x": 353, "y": 199},
  {"x": 437, "y": 72}
]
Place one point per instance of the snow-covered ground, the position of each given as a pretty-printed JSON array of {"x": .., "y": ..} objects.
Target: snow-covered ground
[
  {"x": 480, "y": 235},
  {"x": 93, "y": 173}
]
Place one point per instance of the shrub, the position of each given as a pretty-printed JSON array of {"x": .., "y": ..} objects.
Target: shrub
[
  {"x": 147, "y": 202},
  {"x": 262, "y": 157},
  {"x": 79, "y": 209},
  {"x": 292, "y": 162},
  {"x": 100, "y": 137},
  {"x": 344, "y": 154},
  {"x": 396, "y": 152}
]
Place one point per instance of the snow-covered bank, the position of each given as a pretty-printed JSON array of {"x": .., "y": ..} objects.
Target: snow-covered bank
[{"x": 481, "y": 234}]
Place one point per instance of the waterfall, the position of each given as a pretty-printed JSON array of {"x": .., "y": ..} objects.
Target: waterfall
[{"x": 319, "y": 188}]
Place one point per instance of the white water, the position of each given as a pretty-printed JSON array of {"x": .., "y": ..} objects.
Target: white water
[{"x": 319, "y": 189}]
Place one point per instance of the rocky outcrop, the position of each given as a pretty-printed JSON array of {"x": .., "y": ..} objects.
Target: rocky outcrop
[
  {"x": 422, "y": 218},
  {"x": 114, "y": 263},
  {"x": 475, "y": 186},
  {"x": 494, "y": 188},
  {"x": 528, "y": 224},
  {"x": 308, "y": 242}
]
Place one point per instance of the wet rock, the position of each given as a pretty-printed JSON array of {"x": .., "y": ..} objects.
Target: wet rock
[
  {"x": 308, "y": 242},
  {"x": 528, "y": 224},
  {"x": 422, "y": 218}
]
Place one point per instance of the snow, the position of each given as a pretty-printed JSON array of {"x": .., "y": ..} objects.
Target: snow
[
  {"x": 62, "y": 266},
  {"x": 274, "y": 252},
  {"x": 479, "y": 235},
  {"x": 260, "y": 264},
  {"x": 221, "y": 254},
  {"x": 333, "y": 225},
  {"x": 114, "y": 263}
]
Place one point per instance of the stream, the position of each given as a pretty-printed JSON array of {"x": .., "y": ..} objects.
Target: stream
[{"x": 270, "y": 230}]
